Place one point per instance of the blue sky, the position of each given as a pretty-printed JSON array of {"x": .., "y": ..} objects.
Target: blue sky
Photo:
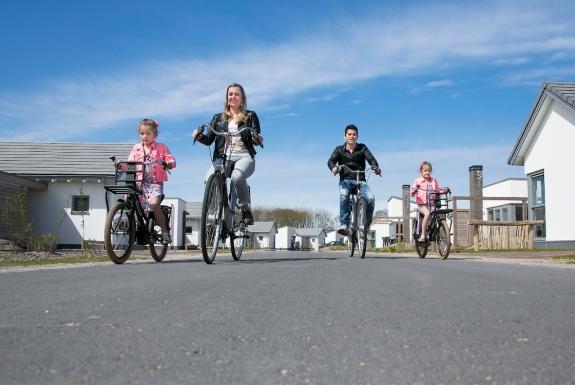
[{"x": 451, "y": 82}]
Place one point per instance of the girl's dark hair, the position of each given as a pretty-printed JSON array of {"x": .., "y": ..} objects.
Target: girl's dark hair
[{"x": 351, "y": 127}]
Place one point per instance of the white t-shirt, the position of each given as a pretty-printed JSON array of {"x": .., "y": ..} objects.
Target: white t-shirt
[{"x": 234, "y": 144}]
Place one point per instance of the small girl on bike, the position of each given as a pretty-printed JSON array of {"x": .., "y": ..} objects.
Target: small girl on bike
[
  {"x": 421, "y": 187},
  {"x": 152, "y": 187}
]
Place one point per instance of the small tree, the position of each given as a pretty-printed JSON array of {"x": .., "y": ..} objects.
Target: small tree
[{"x": 15, "y": 220}]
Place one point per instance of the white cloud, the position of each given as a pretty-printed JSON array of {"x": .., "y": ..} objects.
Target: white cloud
[{"x": 417, "y": 41}]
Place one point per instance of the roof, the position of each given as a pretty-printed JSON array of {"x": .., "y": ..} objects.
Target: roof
[
  {"x": 262, "y": 227},
  {"x": 309, "y": 232},
  {"x": 194, "y": 209},
  {"x": 41, "y": 159},
  {"x": 561, "y": 92}
]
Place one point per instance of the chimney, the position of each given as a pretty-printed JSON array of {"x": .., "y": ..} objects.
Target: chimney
[{"x": 476, "y": 190}]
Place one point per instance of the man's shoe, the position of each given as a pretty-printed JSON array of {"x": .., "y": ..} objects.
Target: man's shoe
[
  {"x": 247, "y": 217},
  {"x": 343, "y": 230},
  {"x": 166, "y": 239}
]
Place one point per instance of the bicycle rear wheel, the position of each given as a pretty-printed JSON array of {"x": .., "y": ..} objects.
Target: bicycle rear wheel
[
  {"x": 362, "y": 227},
  {"x": 119, "y": 233},
  {"x": 212, "y": 218},
  {"x": 443, "y": 241}
]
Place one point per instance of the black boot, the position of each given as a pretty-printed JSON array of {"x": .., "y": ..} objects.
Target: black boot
[{"x": 247, "y": 217}]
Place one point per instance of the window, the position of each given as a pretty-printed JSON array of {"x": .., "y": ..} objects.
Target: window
[
  {"x": 80, "y": 204},
  {"x": 538, "y": 202},
  {"x": 260, "y": 238},
  {"x": 504, "y": 215},
  {"x": 188, "y": 229}
]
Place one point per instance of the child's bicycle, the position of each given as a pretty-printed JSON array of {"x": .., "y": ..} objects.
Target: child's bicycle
[
  {"x": 221, "y": 214},
  {"x": 127, "y": 222},
  {"x": 438, "y": 230}
]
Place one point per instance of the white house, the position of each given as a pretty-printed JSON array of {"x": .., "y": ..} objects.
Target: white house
[
  {"x": 395, "y": 213},
  {"x": 262, "y": 235},
  {"x": 72, "y": 205},
  {"x": 383, "y": 232},
  {"x": 334, "y": 236},
  {"x": 545, "y": 150},
  {"x": 504, "y": 210},
  {"x": 285, "y": 238},
  {"x": 193, "y": 222},
  {"x": 312, "y": 238}
]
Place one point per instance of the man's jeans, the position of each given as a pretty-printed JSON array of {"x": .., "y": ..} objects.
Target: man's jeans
[{"x": 344, "y": 188}]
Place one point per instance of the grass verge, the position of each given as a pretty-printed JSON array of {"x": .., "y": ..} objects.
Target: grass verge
[{"x": 565, "y": 258}]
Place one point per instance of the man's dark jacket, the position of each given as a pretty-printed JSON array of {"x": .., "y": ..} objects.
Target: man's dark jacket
[{"x": 354, "y": 160}]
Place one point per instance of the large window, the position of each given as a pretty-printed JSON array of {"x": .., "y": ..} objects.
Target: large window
[
  {"x": 80, "y": 204},
  {"x": 538, "y": 202}
]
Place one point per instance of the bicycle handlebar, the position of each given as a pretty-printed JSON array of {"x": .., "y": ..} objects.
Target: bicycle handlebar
[
  {"x": 207, "y": 126},
  {"x": 341, "y": 166}
]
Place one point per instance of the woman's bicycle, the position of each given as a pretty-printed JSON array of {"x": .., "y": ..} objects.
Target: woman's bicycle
[
  {"x": 127, "y": 223},
  {"x": 438, "y": 230},
  {"x": 358, "y": 226},
  {"x": 221, "y": 213}
]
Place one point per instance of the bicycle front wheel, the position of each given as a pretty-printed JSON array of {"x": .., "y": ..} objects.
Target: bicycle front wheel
[
  {"x": 119, "y": 233},
  {"x": 443, "y": 241},
  {"x": 212, "y": 218},
  {"x": 238, "y": 241},
  {"x": 157, "y": 248},
  {"x": 361, "y": 228}
]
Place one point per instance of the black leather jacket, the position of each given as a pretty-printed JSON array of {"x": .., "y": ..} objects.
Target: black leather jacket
[
  {"x": 354, "y": 160},
  {"x": 221, "y": 125}
]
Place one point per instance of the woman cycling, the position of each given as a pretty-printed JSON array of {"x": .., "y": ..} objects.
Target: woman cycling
[{"x": 237, "y": 149}]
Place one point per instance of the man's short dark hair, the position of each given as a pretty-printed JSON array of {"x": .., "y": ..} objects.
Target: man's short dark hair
[{"x": 351, "y": 127}]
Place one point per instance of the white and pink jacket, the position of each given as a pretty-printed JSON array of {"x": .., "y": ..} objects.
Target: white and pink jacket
[
  {"x": 421, "y": 188},
  {"x": 158, "y": 151}
]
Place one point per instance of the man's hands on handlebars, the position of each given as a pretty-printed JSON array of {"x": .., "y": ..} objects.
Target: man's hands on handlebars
[{"x": 336, "y": 169}]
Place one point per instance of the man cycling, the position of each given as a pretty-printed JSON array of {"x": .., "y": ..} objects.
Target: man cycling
[{"x": 352, "y": 155}]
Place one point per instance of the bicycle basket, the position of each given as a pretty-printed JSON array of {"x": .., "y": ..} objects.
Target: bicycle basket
[{"x": 128, "y": 175}]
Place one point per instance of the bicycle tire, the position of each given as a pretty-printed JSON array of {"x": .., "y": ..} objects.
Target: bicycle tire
[
  {"x": 158, "y": 249},
  {"x": 421, "y": 248},
  {"x": 443, "y": 242},
  {"x": 212, "y": 220},
  {"x": 238, "y": 242},
  {"x": 361, "y": 227},
  {"x": 351, "y": 233},
  {"x": 119, "y": 233}
]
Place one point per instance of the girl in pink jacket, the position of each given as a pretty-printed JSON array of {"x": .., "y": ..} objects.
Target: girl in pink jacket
[
  {"x": 155, "y": 174},
  {"x": 421, "y": 188}
]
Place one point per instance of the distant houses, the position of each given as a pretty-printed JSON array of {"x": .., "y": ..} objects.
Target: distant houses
[{"x": 544, "y": 148}]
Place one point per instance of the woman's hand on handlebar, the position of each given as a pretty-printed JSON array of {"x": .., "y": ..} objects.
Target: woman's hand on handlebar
[{"x": 257, "y": 139}]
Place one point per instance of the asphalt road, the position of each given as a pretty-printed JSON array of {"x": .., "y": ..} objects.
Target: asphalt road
[{"x": 290, "y": 318}]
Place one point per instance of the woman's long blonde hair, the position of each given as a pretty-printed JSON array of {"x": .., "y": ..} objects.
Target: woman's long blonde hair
[{"x": 243, "y": 115}]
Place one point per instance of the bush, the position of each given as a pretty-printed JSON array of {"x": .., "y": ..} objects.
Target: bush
[{"x": 399, "y": 248}]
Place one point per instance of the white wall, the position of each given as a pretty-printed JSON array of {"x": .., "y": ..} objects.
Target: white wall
[
  {"x": 552, "y": 151},
  {"x": 177, "y": 220},
  {"x": 267, "y": 242},
  {"x": 333, "y": 236},
  {"x": 395, "y": 207},
  {"x": 506, "y": 188},
  {"x": 383, "y": 230},
  {"x": 50, "y": 211},
  {"x": 283, "y": 237}
]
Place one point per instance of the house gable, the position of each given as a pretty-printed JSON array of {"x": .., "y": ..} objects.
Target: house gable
[{"x": 562, "y": 93}]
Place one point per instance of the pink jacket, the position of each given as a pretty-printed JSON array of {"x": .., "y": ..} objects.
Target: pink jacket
[
  {"x": 158, "y": 151},
  {"x": 420, "y": 188}
]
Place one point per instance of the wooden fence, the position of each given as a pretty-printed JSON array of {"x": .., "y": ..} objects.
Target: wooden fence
[{"x": 502, "y": 235}]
